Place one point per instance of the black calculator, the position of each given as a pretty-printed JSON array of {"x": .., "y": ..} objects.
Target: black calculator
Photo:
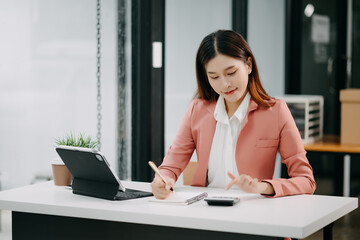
[{"x": 221, "y": 201}]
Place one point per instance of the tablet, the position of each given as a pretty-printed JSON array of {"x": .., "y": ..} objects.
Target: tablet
[{"x": 87, "y": 163}]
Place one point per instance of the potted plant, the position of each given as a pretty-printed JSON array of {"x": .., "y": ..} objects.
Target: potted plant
[{"x": 62, "y": 176}]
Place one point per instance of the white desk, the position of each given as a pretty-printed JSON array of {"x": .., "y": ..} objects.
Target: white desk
[{"x": 294, "y": 216}]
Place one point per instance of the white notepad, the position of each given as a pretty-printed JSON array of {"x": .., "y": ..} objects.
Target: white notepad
[{"x": 181, "y": 198}]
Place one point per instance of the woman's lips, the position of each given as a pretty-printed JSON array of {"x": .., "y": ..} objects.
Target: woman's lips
[{"x": 230, "y": 92}]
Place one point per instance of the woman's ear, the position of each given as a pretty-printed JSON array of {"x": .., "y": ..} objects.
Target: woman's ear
[{"x": 249, "y": 64}]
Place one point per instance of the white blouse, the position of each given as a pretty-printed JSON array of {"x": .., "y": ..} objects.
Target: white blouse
[{"x": 222, "y": 153}]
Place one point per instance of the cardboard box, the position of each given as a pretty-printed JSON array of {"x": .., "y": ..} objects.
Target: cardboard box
[{"x": 350, "y": 116}]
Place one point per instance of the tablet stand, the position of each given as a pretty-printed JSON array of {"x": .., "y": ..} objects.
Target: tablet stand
[{"x": 95, "y": 189}]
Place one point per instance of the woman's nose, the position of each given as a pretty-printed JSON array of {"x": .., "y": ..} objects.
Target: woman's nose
[{"x": 226, "y": 83}]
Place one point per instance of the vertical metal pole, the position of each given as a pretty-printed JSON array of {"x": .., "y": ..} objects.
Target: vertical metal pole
[
  {"x": 122, "y": 96},
  {"x": 349, "y": 42},
  {"x": 346, "y": 181}
]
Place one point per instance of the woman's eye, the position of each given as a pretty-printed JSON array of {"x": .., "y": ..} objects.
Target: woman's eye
[
  {"x": 232, "y": 73},
  {"x": 214, "y": 77}
]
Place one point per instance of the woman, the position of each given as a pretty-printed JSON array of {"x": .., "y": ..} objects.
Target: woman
[{"x": 235, "y": 128}]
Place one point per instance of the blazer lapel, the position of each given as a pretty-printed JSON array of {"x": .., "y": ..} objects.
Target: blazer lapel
[
  {"x": 205, "y": 142},
  {"x": 209, "y": 132},
  {"x": 252, "y": 107}
]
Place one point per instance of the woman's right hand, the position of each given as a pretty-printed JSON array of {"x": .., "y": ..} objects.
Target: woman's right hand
[{"x": 160, "y": 189}]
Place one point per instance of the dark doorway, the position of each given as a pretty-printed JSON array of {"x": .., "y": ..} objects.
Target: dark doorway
[
  {"x": 355, "y": 79},
  {"x": 316, "y": 54},
  {"x": 316, "y": 65}
]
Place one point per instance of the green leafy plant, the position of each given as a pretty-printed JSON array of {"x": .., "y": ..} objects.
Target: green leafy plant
[{"x": 81, "y": 140}]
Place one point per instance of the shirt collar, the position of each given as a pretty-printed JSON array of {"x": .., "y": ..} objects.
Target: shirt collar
[
  {"x": 241, "y": 112},
  {"x": 220, "y": 113}
]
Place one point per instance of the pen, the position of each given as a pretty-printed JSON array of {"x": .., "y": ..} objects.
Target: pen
[
  {"x": 156, "y": 170},
  {"x": 197, "y": 198}
]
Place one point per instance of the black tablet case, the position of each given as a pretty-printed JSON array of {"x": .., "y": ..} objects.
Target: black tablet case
[{"x": 91, "y": 177}]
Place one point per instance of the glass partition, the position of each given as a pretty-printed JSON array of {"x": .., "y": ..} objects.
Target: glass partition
[{"x": 48, "y": 82}]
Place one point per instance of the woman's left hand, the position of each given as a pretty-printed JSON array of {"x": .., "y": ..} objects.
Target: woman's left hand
[{"x": 250, "y": 185}]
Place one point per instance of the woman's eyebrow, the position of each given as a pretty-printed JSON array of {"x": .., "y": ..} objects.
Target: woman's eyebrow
[
  {"x": 229, "y": 67},
  {"x": 224, "y": 69}
]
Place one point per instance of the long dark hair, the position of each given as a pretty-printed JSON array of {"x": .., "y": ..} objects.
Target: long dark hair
[{"x": 231, "y": 44}]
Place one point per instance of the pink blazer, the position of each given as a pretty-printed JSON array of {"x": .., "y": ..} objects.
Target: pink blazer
[{"x": 264, "y": 132}]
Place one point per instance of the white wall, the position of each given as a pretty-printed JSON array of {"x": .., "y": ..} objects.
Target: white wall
[
  {"x": 48, "y": 81},
  {"x": 187, "y": 22},
  {"x": 266, "y": 37}
]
